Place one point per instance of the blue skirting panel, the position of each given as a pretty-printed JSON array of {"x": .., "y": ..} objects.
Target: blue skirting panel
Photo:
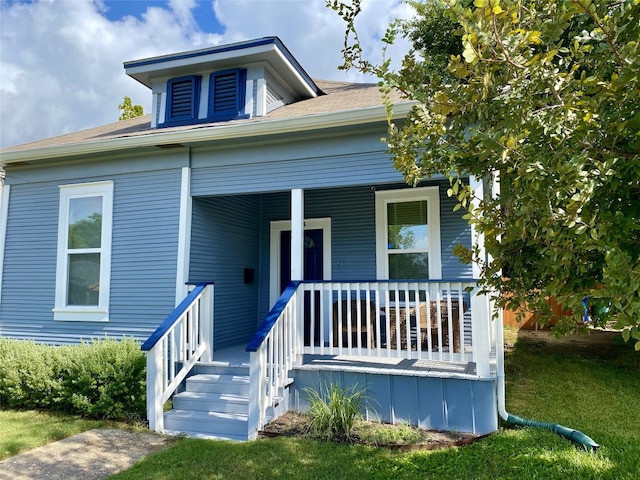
[{"x": 453, "y": 404}]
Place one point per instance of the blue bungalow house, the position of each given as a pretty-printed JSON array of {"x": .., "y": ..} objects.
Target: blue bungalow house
[{"x": 253, "y": 234}]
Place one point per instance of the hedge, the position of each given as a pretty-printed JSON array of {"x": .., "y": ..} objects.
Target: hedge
[{"x": 98, "y": 379}]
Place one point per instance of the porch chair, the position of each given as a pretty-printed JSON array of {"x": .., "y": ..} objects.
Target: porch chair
[
  {"x": 367, "y": 319},
  {"x": 399, "y": 315},
  {"x": 447, "y": 339}
]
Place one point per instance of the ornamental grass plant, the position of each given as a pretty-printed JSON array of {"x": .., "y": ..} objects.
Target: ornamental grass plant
[{"x": 334, "y": 410}]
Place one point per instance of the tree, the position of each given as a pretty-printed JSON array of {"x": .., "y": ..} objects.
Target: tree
[
  {"x": 129, "y": 110},
  {"x": 543, "y": 95}
]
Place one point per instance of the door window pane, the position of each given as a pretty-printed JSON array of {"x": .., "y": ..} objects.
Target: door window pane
[
  {"x": 85, "y": 222},
  {"x": 84, "y": 279},
  {"x": 407, "y": 225}
]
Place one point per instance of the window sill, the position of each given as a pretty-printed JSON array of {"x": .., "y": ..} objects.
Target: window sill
[{"x": 81, "y": 314}]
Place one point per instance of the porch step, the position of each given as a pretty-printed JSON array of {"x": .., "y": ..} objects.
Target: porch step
[
  {"x": 231, "y": 384},
  {"x": 211, "y": 402},
  {"x": 217, "y": 425},
  {"x": 213, "y": 405},
  {"x": 221, "y": 368}
]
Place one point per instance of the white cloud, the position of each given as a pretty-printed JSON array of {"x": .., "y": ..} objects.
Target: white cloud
[{"x": 61, "y": 61}]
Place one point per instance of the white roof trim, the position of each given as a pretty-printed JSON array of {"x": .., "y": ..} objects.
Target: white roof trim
[{"x": 210, "y": 133}]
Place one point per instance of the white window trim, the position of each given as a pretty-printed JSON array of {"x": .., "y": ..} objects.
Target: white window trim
[
  {"x": 383, "y": 198},
  {"x": 278, "y": 226},
  {"x": 99, "y": 313}
]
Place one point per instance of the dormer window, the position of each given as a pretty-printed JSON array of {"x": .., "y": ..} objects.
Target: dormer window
[
  {"x": 221, "y": 83},
  {"x": 183, "y": 98},
  {"x": 227, "y": 94}
]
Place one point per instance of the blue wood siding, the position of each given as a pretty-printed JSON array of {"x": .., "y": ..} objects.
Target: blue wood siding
[
  {"x": 336, "y": 161},
  {"x": 143, "y": 259},
  {"x": 434, "y": 403},
  {"x": 353, "y": 242},
  {"x": 224, "y": 242}
]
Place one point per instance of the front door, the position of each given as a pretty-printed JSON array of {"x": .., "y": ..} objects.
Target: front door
[
  {"x": 312, "y": 271},
  {"x": 313, "y": 256},
  {"x": 317, "y": 264}
]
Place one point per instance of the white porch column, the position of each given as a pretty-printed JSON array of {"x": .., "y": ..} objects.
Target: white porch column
[
  {"x": 4, "y": 217},
  {"x": 184, "y": 236},
  {"x": 477, "y": 238},
  {"x": 480, "y": 311},
  {"x": 297, "y": 234}
]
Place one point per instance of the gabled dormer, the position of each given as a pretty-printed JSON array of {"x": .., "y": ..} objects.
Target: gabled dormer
[{"x": 228, "y": 82}]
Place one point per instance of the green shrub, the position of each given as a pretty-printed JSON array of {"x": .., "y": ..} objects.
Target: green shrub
[
  {"x": 102, "y": 379},
  {"x": 28, "y": 374},
  {"x": 334, "y": 410}
]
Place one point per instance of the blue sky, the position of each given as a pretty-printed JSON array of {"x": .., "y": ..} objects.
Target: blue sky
[
  {"x": 61, "y": 60},
  {"x": 202, "y": 12}
]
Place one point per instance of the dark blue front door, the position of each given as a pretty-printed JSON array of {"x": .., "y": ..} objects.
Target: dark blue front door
[{"x": 313, "y": 270}]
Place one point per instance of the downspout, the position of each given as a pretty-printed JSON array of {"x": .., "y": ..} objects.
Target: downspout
[
  {"x": 573, "y": 435},
  {"x": 569, "y": 433}
]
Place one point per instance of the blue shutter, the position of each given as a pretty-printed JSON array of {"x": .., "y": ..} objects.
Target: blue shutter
[
  {"x": 183, "y": 97},
  {"x": 227, "y": 94}
]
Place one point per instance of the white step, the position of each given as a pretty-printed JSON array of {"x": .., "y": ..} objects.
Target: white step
[
  {"x": 207, "y": 383},
  {"x": 231, "y": 426},
  {"x": 211, "y": 402}
]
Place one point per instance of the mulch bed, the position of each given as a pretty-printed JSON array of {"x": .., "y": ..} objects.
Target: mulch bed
[{"x": 293, "y": 424}]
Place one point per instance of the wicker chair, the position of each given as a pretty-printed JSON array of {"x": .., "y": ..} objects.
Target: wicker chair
[
  {"x": 451, "y": 340},
  {"x": 400, "y": 314},
  {"x": 368, "y": 315}
]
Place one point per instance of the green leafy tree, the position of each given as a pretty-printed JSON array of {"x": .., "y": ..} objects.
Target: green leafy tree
[
  {"x": 129, "y": 110},
  {"x": 543, "y": 95}
]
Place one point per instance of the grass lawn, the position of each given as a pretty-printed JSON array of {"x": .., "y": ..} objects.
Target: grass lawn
[
  {"x": 595, "y": 389},
  {"x": 592, "y": 389},
  {"x": 24, "y": 430}
]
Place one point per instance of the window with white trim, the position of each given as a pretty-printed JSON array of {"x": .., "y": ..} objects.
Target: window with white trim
[
  {"x": 408, "y": 233},
  {"x": 84, "y": 252}
]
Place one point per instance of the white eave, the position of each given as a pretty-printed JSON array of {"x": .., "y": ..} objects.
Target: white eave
[
  {"x": 268, "y": 49},
  {"x": 207, "y": 134}
]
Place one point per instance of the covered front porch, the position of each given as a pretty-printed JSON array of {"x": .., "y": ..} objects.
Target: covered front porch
[
  {"x": 425, "y": 350},
  {"x": 427, "y": 346}
]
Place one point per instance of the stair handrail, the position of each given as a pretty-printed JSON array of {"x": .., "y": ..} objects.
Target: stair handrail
[
  {"x": 274, "y": 349},
  {"x": 182, "y": 339}
]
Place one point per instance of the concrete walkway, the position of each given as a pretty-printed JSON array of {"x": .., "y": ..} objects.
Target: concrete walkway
[{"x": 92, "y": 455}]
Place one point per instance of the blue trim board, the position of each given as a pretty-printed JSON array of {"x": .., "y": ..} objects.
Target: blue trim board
[
  {"x": 272, "y": 317},
  {"x": 174, "y": 316}
]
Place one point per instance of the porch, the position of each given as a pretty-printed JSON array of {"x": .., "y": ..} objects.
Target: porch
[{"x": 425, "y": 350}]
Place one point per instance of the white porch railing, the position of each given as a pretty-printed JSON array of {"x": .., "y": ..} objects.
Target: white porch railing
[
  {"x": 173, "y": 349},
  {"x": 436, "y": 320},
  {"x": 274, "y": 349}
]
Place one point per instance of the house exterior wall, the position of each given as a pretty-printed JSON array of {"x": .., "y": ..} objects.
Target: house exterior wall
[
  {"x": 236, "y": 193},
  {"x": 333, "y": 161},
  {"x": 225, "y": 242},
  {"x": 143, "y": 256},
  {"x": 353, "y": 242}
]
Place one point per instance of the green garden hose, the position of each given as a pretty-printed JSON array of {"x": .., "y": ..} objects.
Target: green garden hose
[
  {"x": 573, "y": 435},
  {"x": 569, "y": 433}
]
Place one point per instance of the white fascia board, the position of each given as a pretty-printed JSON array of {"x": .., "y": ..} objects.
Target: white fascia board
[
  {"x": 212, "y": 133},
  {"x": 148, "y": 73},
  {"x": 292, "y": 71}
]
